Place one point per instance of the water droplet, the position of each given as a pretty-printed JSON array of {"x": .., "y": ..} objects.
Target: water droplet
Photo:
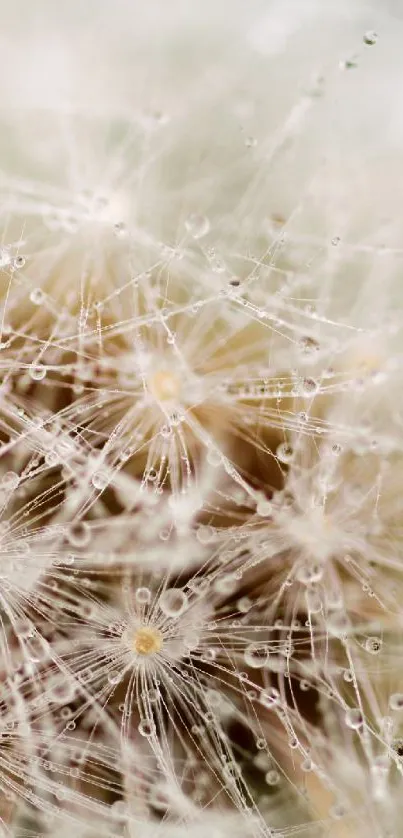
[
  {"x": 354, "y": 718},
  {"x": 99, "y": 480},
  {"x": 143, "y": 596},
  {"x": 313, "y": 601},
  {"x": 256, "y": 655},
  {"x": 309, "y": 386},
  {"x": 37, "y": 296},
  {"x": 63, "y": 692},
  {"x": 272, "y": 778},
  {"x": 336, "y": 241},
  {"x": 205, "y": 533},
  {"x": 270, "y": 697},
  {"x": 309, "y": 573},
  {"x": 120, "y": 229},
  {"x": 146, "y": 727},
  {"x": 173, "y": 602},
  {"x": 214, "y": 458},
  {"x": 284, "y": 452},
  {"x": 373, "y": 645},
  {"x": 308, "y": 345},
  {"x": 165, "y": 431},
  {"x": 19, "y": 262},
  {"x": 37, "y": 372},
  {"x": 244, "y": 604},
  {"x": 197, "y": 225},
  {"x": 79, "y": 534},
  {"x": 396, "y": 701},
  {"x": 226, "y": 584},
  {"x": 264, "y": 508},
  {"x": 10, "y": 481},
  {"x": 307, "y": 764},
  {"x": 370, "y": 38},
  {"x": 153, "y": 696}
]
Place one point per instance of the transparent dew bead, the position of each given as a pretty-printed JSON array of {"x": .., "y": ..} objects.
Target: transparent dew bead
[
  {"x": 197, "y": 225},
  {"x": 79, "y": 534},
  {"x": 63, "y": 692},
  {"x": 37, "y": 372},
  {"x": 396, "y": 701},
  {"x": 9, "y": 481},
  {"x": 173, "y": 602},
  {"x": 270, "y": 697},
  {"x": 205, "y": 534},
  {"x": 264, "y": 508},
  {"x": 308, "y": 345},
  {"x": 120, "y": 230},
  {"x": 143, "y": 596},
  {"x": 284, "y": 452},
  {"x": 373, "y": 645},
  {"x": 370, "y": 38},
  {"x": 307, "y": 765},
  {"x": 314, "y": 601},
  {"x": 309, "y": 387},
  {"x": 37, "y": 296},
  {"x": 272, "y": 778},
  {"x": 309, "y": 573},
  {"x": 354, "y": 718},
  {"x": 226, "y": 584},
  {"x": 153, "y": 696},
  {"x": 214, "y": 457},
  {"x": 256, "y": 656},
  {"x": 244, "y": 604},
  {"x": 99, "y": 480},
  {"x": 146, "y": 727},
  {"x": 19, "y": 262}
]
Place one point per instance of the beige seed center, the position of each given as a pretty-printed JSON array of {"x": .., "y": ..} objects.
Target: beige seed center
[
  {"x": 147, "y": 641},
  {"x": 165, "y": 386}
]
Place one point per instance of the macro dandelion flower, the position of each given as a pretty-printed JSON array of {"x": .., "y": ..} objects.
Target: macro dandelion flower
[{"x": 200, "y": 419}]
